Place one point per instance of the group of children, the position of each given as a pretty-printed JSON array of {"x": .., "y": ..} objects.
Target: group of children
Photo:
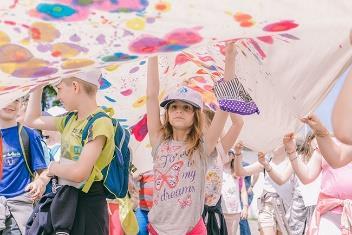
[{"x": 194, "y": 187}]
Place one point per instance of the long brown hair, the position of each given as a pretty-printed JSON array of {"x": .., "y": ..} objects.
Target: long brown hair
[
  {"x": 193, "y": 137},
  {"x": 305, "y": 149}
]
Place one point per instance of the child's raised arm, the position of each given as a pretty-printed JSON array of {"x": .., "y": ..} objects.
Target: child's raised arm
[
  {"x": 153, "y": 108},
  {"x": 279, "y": 178},
  {"x": 218, "y": 123},
  {"x": 239, "y": 169},
  {"x": 33, "y": 116},
  {"x": 307, "y": 173}
]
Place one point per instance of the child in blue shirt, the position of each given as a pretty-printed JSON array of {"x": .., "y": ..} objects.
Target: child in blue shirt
[{"x": 18, "y": 188}]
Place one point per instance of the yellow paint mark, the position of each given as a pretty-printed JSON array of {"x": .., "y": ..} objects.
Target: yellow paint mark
[
  {"x": 76, "y": 63},
  {"x": 111, "y": 67},
  {"x": 136, "y": 23},
  {"x": 4, "y": 39},
  {"x": 139, "y": 102}
]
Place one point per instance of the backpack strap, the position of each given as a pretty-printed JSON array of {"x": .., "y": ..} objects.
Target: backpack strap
[
  {"x": 91, "y": 120},
  {"x": 53, "y": 151},
  {"x": 24, "y": 142},
  {"x": 68, "y": 117},
  {"x": 122, "y": 134}
]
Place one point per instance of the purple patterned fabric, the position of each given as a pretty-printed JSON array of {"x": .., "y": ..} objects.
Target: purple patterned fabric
[
  {"x": 239, "y": 107},
  {"x": 232, "y": 97}
]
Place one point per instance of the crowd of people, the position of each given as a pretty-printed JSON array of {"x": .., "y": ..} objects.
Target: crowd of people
[{"x": 199, "y": 183}]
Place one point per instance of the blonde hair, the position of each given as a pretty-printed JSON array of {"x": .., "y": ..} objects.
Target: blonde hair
[
  {"x": 89, "y": 88},
  {"x": 305, "y": 149},
  {"x": 193, "y": 137},
  {"x": 208, "y": 116}
]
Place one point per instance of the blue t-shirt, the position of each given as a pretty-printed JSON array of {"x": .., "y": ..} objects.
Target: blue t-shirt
[{"x": 15, "y": 173}]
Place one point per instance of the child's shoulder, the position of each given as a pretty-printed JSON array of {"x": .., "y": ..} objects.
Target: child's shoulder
[
  {"x": 103, "y": 122},
  {"x": 30, "y": 131}
]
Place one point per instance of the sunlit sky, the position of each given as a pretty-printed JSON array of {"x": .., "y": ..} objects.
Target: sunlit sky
[{"x": 325, "y": 108}]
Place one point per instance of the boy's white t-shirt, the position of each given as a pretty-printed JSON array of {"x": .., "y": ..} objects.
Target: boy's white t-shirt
[{"x": 179, "y": 182}]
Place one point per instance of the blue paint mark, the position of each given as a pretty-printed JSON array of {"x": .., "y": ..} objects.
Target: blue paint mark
[
  {"x": 110, "y": 99},
  {"x": 56, "y": 11}
]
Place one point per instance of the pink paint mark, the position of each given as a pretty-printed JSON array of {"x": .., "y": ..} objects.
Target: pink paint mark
[
  {"x": 126, "y": 5},
  {"x": 14, "y": 4},
  {"x": 147, "y": 45},
  {"x": 216, "y": 74},
  {"x": 206, "y": 58},
  {"x": 199, "y": 79},
  {"x": 208, "y": 88},
  {"x": 9, "y": 22},
  {"x": 266, "y": 39},
  {"x": 181, "y": 59},
  {"x": 280, "y": 26},
  {"x": 126, "y": 92},
  {"x": 257, "y": 48},
  {"x": 201, "y": 71},
  {"x": 221, "y": 48},
  {"x": 197, "y": 88},
  {"x": 84, "y": 10},
  {"x": 6, "y": 88},
  {"x": 176, "y": 40},
  {"x": 140, "y": 130},
  {"x": 185, "y": 37}
]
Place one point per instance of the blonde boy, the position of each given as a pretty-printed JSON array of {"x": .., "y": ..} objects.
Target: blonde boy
[{"x": 80, "y": 166}]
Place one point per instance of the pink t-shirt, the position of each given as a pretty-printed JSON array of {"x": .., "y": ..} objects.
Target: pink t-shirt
[{"x": 336, "y": 182}]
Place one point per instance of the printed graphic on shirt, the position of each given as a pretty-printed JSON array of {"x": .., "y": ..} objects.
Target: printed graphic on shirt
[
  {"x": 213, "y": 186},
  {"x": 174, "y": 175},
  {"x": 171, "y": 177},
  {"x": 11, "y": 158},
  {"x": 184, "y": 202}
]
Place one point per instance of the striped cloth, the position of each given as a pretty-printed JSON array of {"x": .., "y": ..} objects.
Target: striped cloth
[
  {"x": 146, "y": 190},
  {"x": 300, "y": 216},
  {"x": 232, "y": 97}
]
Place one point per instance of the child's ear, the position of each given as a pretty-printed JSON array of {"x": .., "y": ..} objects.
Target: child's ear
[{"x": 76, "y": 86}]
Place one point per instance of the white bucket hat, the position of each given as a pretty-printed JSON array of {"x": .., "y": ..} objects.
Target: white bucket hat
[{"x": 91, "y": 76}]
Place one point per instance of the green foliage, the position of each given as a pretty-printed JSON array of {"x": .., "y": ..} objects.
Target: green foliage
[{"x": 49, "y": 98}]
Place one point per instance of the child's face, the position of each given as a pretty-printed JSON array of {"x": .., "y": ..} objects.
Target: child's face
[
  {"x": 66, "y": 94},
  {"x": 181, "y": 115},
  {"x": 10, "y": 112}
]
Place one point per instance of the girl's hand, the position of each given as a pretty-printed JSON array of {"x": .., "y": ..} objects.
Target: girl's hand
[
  {"x": 314, "y": 123},
  {"x": 262, "y": 160},
  {"x": 244, "y": 212},
  {"x": 231, "y": 48},
  {"x": 289, "y": 143},
  {"x": 238, "y": 148}
]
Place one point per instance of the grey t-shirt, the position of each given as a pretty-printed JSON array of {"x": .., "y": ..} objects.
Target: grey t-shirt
[{"x": 179, "y": 181}]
